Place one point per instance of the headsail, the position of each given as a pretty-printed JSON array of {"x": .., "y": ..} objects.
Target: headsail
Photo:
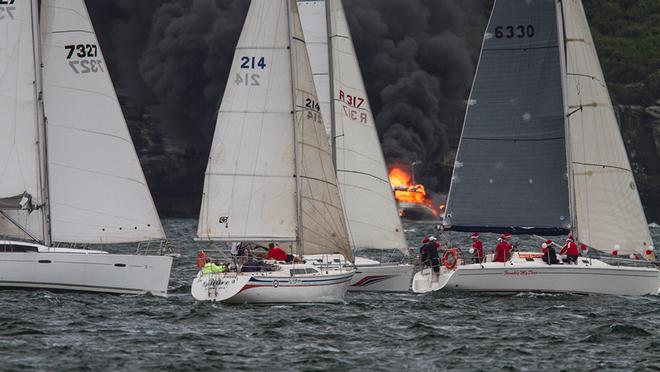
[
  {"x": 511, "y": 167},
  {"x": 250, "y": 185},
  {"x": 19, "y": 162},
  {"x": 608, "y": 208},
  {"x": 98, "y": 192},
  {"x": 373, "y": 219}
]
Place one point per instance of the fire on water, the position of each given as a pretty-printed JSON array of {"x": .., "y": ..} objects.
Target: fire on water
[{"x": 407, "y": 192}]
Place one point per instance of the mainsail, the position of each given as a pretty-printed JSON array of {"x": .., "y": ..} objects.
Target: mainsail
[
  {"x": 511, "y": 167},
  {"x": 607, "y": 205},
  {"x": 251, "y": 189},
  {"x": 369, "y": 204},
  {"x": 98, "y": 193},
  {"x": 19, "y": 162}
]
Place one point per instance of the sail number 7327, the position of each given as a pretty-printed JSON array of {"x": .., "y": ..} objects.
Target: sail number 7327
[{"x": 83, "y": 58}]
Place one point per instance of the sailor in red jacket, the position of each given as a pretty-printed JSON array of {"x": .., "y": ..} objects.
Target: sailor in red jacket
[
  {"x": 502, "y": 250},
  {"x": 477, "y": 249},
  {"x": 571, "y": 250}
]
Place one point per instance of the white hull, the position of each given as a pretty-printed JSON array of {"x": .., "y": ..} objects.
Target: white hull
[
  {"x": 382, "y": 278},
  {"x": 370, "y": 275},
  {"x": 590, "y": 276},
  {"x": 85, "y": 271},
  {"x": 275, "y": 287}
]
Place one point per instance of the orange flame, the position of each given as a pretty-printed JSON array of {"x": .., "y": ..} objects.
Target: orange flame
[{"x": 405, "y": 191}]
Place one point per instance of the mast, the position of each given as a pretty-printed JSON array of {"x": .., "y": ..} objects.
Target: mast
[
  {"x": 331, "y": 80},
  {"x": 41, "y": 125},
  {"x": 296, "y": 151},
  {"x": 561, "y": 38}
]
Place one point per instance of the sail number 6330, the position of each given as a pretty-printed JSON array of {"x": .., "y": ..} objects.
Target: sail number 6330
[{"x": 510, "y": 32}]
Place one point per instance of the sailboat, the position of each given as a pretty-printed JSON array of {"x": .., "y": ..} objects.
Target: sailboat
[
  {"x": 541, "y": 153},
  {"x": 270, "y": 177},
  {"x": 371, "y": 211},
  {"x": 69, "y": 174}
]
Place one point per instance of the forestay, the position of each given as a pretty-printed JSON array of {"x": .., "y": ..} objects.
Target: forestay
[
  {"x": 369, "y": 204},
  {"x": 511, "y": 168},
  {"x": 608, "y": 208},
  {"x": 98, "y": 191},
  {"x": 19, "y": 164}
]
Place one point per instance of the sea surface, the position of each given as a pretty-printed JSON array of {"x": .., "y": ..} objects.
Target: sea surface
[{"x": 40, "y": 330}]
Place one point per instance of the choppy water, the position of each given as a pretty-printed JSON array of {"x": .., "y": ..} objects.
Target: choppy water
[{"x": 46, "y": 331}]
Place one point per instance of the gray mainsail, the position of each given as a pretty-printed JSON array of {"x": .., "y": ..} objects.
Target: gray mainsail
[{"x": 511, "y": 168}]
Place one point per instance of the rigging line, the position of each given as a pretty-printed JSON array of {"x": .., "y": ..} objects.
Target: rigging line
[
  {"x": 519, "y": 48},
  {"x": 15, "y": 223},
  {"x": 70, "y": 31},
  {"x": 603, "y": 166},
  {"x": 363, "y": 174},
  {"x": 514, "y": 139},
  {"x": 129, "y": 179}
]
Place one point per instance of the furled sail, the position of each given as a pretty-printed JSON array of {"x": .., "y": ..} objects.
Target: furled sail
[
  {"x": 19, "y": 162},
  {"x": 98, "y": 192},
  {"x": 608, "y": 209},
  {"x": 511, "y": 167},
  {"x": 250, "y": 185},
  {"x": 371, "y": 211}
]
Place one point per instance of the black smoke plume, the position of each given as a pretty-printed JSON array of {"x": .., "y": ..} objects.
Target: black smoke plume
[{"x": 173, "y": 57}]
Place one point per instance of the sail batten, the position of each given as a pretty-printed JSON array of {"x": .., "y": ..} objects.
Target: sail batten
[{"x": 368, "y": 200}]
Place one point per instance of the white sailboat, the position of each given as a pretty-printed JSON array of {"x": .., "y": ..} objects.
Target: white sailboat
[
  {"x": 270, "y": 176},
  {"x": 371, "y": 211},
  {"x": 541, "y": 151},
  {"x": 69, "y": 174}
]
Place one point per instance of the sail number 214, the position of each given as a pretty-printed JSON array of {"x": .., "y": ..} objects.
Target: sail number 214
[{"x": 250, "y": 79}]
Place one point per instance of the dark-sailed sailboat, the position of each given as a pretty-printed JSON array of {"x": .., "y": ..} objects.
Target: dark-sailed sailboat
[{"x": 541, "y": 153}]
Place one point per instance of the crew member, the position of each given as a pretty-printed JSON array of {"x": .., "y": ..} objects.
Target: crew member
[
  {"x": 549, "y": 253},
  {"x": 571, "y": 250},
  {"x": 478, "y": 249},
  {"x": 212, "y": 267},
  {"x": 502, "y": 250},
  {"x": 423, "y": 251},
  {"x": 275, "y": 253},
  {"x": 433, "y": 254}
]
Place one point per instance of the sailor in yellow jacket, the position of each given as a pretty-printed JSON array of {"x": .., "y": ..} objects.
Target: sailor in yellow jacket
[{"x": 213, "y": 268}]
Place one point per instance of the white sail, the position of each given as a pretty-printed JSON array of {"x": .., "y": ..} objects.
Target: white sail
[
  {"x": 608, "y": 208},
  {"x": 19, "y": 162},
  {"x": 371, "y": 211},
  {"x": 249, "y": 188},
  {"x": 313, "y": 18},
  {"x": 98, "y": 192},
  {"x": 250, "y": 185},
  {"x": 324, "y": 225}
]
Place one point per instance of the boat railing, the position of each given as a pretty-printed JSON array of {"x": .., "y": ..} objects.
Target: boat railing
[
  {"x": 620, "y": 261},
  {"x": 155, "y": 248}
]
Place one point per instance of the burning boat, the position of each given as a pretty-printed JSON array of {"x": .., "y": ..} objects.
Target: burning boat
[{"x": 412, "y": 199}]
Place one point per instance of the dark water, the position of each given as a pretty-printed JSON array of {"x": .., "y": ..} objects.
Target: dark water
[{"x": 46, "y": 331}]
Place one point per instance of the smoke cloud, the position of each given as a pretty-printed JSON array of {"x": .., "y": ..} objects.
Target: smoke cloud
[{"x": 174, "y": 56}]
